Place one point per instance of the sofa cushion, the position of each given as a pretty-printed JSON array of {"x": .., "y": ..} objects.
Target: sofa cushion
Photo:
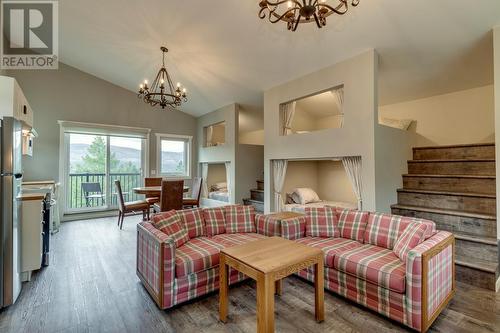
[
  {"x": 330, "y": 246},
  {"x": 228, "y": 240},
  {"x": 352, "y": 223},
  {"x": 321, "y": 222},
  {"x": 196, "y": 255},
  {"x": 383, "y": 229},
  {"x": 373, "y": 264},
  {"x": 193, "y": 221},
  {"x": 215, "y": 220},
  {"x": 240, "y": 219},
  {"x": 410, "y": 238},
  {"x": 170, "y": 224}
]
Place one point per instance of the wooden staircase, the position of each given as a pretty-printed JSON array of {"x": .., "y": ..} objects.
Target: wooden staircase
[
  {"x": 256, "y": 197},
  {"x": 455, "y": 186}
]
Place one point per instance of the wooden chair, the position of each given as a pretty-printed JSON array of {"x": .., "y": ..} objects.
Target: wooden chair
[
  {"x": 152, "y": 181},
  {"x": 172, "y": 192},
  {"x": 129, "y": 207},
  {"x": 194, "y": 200}
]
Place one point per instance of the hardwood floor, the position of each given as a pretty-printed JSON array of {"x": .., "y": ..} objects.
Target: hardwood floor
[{"x": 91, "y": 286}]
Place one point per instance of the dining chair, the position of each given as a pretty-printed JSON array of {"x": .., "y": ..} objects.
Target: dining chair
[
  {"x": 152, "y": 181},
  {"x": 194, "y": 199},
  {"x": 129, "y": 207},
  {"x": 172, "y": 192}
]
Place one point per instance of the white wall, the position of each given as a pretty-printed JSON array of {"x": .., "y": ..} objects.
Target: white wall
[
  {"x": 70, "y": 94},
  {"x": 460, "y": 117},
  {"x": 357, "y": 138},
  {"x": 333, "y": 183}
]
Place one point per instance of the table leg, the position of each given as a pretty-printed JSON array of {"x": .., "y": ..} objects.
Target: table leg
[
  {"x": 278, "y": 289},
  {"x": 319, "y": 300},
  {"x": 223, "y": 288},
  {"x": 265, "y": 303}
]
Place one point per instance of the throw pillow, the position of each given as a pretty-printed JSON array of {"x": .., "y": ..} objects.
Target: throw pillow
[
  {"x": 170, "y": 224},
  {"x": 240, "y": 219},
  {"x": 410, "y": 238},
  {"x": 352, "y": 223},
  {"x": 305, "y": 195},
  {"x": 215, "y": 220},
  {"x": 321, "y": 222},
  {"x": 193, "y": 222}
]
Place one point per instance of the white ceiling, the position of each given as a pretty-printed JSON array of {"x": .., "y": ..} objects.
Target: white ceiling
[{"x": 223, "y": 53}]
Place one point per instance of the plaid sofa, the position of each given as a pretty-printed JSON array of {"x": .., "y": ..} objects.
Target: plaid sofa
[
  {"x": 362, "y": 266},
  {"x": 175, "y": 275}
]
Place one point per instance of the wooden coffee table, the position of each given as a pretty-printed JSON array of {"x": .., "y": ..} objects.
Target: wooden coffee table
[{"x": 267, "y": 261}]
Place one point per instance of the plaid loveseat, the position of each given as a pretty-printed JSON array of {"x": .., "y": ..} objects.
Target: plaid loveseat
[
  {"x": 361, "y": 265},
  {"x": 173, "y": 275}
]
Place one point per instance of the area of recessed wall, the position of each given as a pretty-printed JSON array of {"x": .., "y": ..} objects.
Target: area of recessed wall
[
  {"x": 215, "y": 134},
  {"x": 326, "y": 177},
  {"x": 460, "y": 117},
  {"x": 216, "y": 174},
  {"x": 251, "y": 125}
]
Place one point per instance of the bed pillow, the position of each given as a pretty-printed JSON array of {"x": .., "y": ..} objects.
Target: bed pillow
[
  {"x": 215, "y": 220},
  {"x": 305, "y": 195},
  {"x": 352, "y": 223},
  {"x": 412, "y": 236},
  {"x": 170, "y": 224},
  {"x": 193, "y": 221},
  {"x": 321, "y": 222},
  {"x": 240, "y": 219}
]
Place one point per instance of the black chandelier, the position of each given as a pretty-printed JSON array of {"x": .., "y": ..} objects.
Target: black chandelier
[
  {"x": 303, "y": 11},
  {"x": 162, "y": 89}
]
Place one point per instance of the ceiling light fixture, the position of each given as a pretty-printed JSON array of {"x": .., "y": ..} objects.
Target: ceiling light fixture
[
  {"x": 162, "y": 89},
  {"x": 303, "y": 11}
]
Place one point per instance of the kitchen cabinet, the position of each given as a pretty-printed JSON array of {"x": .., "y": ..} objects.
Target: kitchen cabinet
[{"x": 13, "y": 102}]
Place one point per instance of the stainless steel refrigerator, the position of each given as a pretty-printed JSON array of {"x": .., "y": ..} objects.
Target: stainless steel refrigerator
[{"x": 10, "y": 210}]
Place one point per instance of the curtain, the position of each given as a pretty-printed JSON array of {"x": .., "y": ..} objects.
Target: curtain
[
  {"x": 210, "y": 134},
  {"x": 287, "y": 113},
  {"x": 279, "y": 173},
  {"x": 352, "y": 165},
  {"x": 204, "y": 176},
  {"x": 228, "y": 179},
  {"x": 339, "y": 100}
]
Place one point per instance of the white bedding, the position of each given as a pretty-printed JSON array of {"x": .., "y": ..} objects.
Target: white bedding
[
  {"x": 301, "y": 208},
  {"x": 219, "y": 195}
]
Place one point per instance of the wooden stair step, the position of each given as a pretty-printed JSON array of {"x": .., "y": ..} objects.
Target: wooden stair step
[
  {"x": 476, "y": 239},
  {"x": 484, "y": 225},
  {"x": 484, "y": 248},
  {"x": 453, "y": 166},
  {"x": 256, "y": 194},
  {"x": 465, "y": 151},
  {"x": 467, "y": 202},
  {"x": 454, "y": 183},
  {"x": 259, "y": 205},
  {"x": 475, "y": 263}
]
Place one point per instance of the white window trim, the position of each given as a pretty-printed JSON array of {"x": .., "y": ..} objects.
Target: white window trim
[{"x": 189, "y": 152}]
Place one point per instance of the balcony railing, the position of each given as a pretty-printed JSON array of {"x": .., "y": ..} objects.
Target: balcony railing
[{"x": 78, "y": 198}]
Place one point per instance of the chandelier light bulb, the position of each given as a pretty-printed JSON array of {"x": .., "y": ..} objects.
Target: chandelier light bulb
[
  {"x": 184, "y": 90},
  {"x": 145, "y": 82},
  {"x": 141, "y": 86},
  {"x": 162, "y": 81},
  {"x": 289, "y": 4}
]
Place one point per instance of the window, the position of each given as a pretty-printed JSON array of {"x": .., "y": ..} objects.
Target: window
[{"x": 173, "y": 156}]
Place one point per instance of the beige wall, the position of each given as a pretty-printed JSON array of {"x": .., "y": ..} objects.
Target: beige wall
[
  {"x": 496, "y": 44},
  {"x": 457, "y": 118},
  {"x": 357, "y": 138},
  {"x": 301, "y": 174},
  {"x": 70, "y": 94},
  {"x": 251, "y": 125},
  {"x": 216, "y": 174},
  {"x": 333, "y": 183}
]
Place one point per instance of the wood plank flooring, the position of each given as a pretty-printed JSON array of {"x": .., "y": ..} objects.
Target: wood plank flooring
[{"x": 91, "y": 286}]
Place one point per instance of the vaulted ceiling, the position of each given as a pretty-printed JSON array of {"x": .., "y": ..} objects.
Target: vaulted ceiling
[{"x": 223, "y": 53}]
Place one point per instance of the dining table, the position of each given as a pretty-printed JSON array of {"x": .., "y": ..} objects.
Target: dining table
[{"x": 154, "y": 191}]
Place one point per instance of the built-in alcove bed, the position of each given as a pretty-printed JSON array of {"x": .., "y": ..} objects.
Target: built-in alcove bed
[
  {"x": 317, "y": 183},
  {"x": 216, "y": 187}
]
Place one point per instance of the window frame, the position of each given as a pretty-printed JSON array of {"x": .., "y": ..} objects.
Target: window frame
[{"x": 188, "y": 143}]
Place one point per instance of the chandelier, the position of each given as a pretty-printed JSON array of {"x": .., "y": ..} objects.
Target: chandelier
[
  {"x": 294, "y": 12},
  {"x": 162, "y": 89}
]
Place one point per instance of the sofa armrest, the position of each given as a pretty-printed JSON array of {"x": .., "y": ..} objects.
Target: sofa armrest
[
  {"x": 266, "y": 225},
  {"x": 156, "y": 263},
  {"x": 430, "y": 279},
  {"x": 293, "y": 228}
]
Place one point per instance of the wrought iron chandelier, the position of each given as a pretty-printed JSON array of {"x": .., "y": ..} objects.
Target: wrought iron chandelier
[
  {"x": 162, "y": 89},
  {"x": 303, "y": 11}
]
